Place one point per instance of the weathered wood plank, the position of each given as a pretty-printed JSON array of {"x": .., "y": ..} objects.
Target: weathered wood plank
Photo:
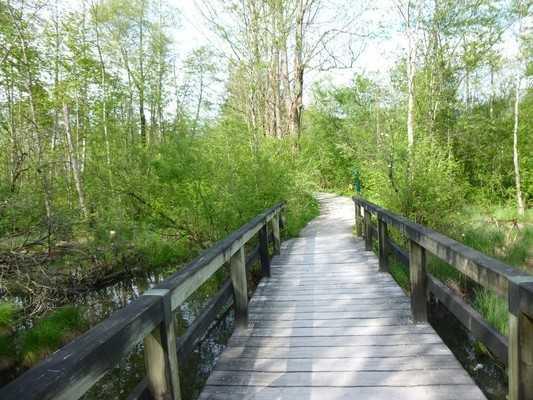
[
  {"x": 347, "y": 341},
  {"x": 417, "y": 269},
  {"x": 343, "y": 331},
  {"x": 331, "y": 323},
  {"x": 405, "y": 350},
  {"x": 338, "y": 364},
  {"x": 338, "y": 379},
  {"x": 463, "y": 392}
]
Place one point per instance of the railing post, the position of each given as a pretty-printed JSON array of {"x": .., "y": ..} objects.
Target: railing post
[
  {"x": 358, "y": 222},
  {"x": 368, "y": 231},
  {"x": 160, "y": 353},
  {"x": 520, "y": 350},
  {"x": 240, "y": 288},
  {"x": 417, "y": 270},
  {"x": 275, "y": 233},
  {"x": 263, "y": 251},
  {"x": 382, "y": 244}
]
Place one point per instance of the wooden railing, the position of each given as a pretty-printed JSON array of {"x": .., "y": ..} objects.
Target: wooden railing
[
  {"x": 516, "y": 351},
  {"x": 74, "y": 369}
]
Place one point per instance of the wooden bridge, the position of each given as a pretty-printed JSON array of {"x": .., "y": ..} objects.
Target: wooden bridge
[{"x": 326, "y": 321}]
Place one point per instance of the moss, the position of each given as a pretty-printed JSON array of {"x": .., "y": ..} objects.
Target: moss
[{"x": 50, "y": 333}]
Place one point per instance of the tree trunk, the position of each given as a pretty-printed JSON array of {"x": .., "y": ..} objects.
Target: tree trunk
[
  {"x": 516, "y": 160},
  {"x": 411, "y": 70},
  {"x": 74, "y": 162},
  {"x": 297, "y": 102}
]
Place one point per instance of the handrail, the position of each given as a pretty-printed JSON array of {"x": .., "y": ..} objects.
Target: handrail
[
  {"x": 75, "y": 368},
  {"x": 506, "y": 281}
]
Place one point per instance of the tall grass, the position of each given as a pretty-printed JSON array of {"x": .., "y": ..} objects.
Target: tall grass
[{"x": 50, "y": 333}]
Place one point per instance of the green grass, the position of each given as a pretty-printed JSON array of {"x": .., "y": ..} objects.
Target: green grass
[
  {"x": 494, "y": 309},
  {"x": 50, "y": 333},
  {"x": 8, "y": 313},
  {"x": 300, "y": 211},
  {"x": 400, "y": 273}
]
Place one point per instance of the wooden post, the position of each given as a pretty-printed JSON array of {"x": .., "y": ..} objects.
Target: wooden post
[
  {"x": 275, "y": 232},
  {"x": 382, "y": 243},
  {"x": 160, "y": 353},
  {"x": 358, "y": 221},
  {"x": 368, "y": 231},
  {"x": 240, "y": 288},
  {"x": 520, "y": 368},
  {"x": 417, "y": 270},
  {"x": 263, "y": 251}
]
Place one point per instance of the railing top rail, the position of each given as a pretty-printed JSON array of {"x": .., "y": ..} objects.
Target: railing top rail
[
  {"x": 485, "y": 270},
  {"x": 75, "y": 368}
]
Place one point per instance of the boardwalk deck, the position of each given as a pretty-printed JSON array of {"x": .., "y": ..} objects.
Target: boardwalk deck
[{"x": 328, "y": 325}]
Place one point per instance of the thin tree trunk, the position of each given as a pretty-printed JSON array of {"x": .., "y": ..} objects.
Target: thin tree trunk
[
  {"x": 74, "y": 162},
  {"x": 516, "y": 160},
  {"x": 297, "y": 103},
  {"x": 411, "y": 70}
]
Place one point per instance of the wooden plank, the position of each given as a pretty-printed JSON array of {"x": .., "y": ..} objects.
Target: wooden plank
[
  {"x": 199, "y": 327},
  {"x": 240, "y": 289},
  {"x": 160, "y": 354},
  {"x": 463, "y": 392},
  {"x": 337, "y": 379},
  {"x": 276, "y": 234},
  {"x": 337, "y": 364},
  {"x": 346, "y": 341},
  {"x": 263, "y": 251},
  {"x": 401, "y": 255},
  {"x": 417, "y": 268},
  {"x": 368, "y": 230},
  {"x": 404, "y": 350},
  {"x": 269, "y": 308},
  {"x": 357, "y": 296},
  {"x": 331, "y": 323},
  {"x": 382, "y": 246},
  {"x": 520, "y": 364},
  {"x": 342, "y": 331}
]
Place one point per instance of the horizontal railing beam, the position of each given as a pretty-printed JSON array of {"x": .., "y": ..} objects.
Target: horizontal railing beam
[
  {"x": 470, "y": 319},
  {"x": 486, "y": 271},
  {"x": 183, "y": 283}
]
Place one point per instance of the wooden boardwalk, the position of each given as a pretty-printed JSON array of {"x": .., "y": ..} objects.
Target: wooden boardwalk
[{"x": 327, "y": 325}]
